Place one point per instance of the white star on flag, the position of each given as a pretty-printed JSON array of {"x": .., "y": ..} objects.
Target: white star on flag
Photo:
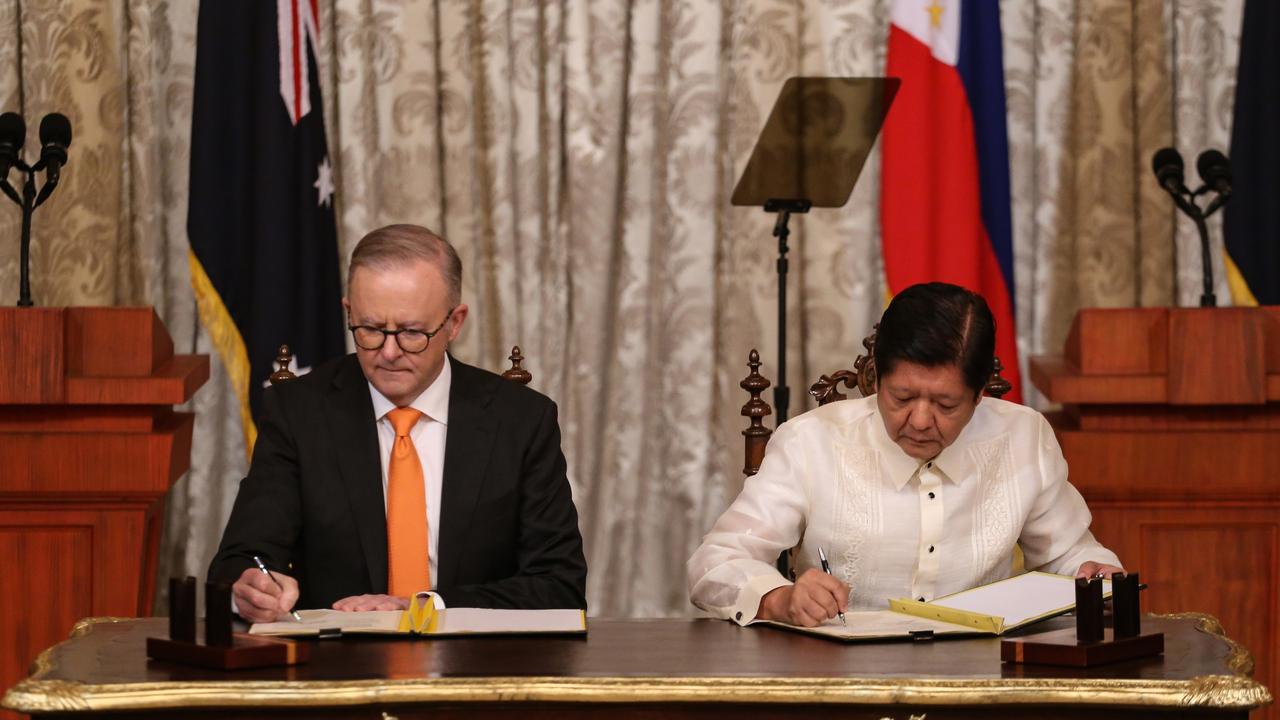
[{"x": 324, "y": 182}]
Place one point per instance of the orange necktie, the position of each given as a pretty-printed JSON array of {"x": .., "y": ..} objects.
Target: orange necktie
[{"x": 408, "y": 567}]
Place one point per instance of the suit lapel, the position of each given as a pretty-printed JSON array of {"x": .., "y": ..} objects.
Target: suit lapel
[
  {"x": 356, "y": 437},
  {"x": 466, "y": 457}
]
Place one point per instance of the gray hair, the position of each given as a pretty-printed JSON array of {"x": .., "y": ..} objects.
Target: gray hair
[{"x": 395, "y": 245}]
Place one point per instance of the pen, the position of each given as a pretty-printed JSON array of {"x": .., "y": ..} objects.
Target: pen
[
  {"x": 265, "y": 571},
  {"x": 822, "y": 555}
]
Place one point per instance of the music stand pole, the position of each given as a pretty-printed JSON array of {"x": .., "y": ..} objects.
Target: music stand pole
[{"x": 782, "y": 231}]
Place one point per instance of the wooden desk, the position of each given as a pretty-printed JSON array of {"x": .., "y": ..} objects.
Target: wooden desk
[{"x": 642, "y": 669}]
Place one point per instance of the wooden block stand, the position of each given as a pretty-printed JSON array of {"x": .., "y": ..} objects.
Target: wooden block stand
[
  {"x": 246, "y": 651},
  {"x": 1060, "y": 647}
]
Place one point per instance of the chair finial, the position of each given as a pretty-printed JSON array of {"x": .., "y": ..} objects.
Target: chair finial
[
  {"x": 997, "y": 386},
  {"x": 284, "y": 358},
  {"x": 517, "y": 373},
  {"x": 756, "y": 433}
]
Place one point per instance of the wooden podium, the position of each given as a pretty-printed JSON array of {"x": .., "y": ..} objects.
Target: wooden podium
[
  {"x": 1171, "y": 428},
  {"x": 89, "y": 445}
]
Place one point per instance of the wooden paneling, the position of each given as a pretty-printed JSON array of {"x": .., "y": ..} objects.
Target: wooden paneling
[
  {"x": 1220, "y": 559},
  {"x": 97, "y": 464},
  {"x": 1217, "y": 418},
  {"x": 89, "y": 445},
  {"x": 49, "y": 561},
  {"x": 178, "y": 377},
  {"x": 1056, "y": 376},
  {"x": 1143, "y": 351},
  {"x": 1180, "y": 461},
  {"x": 1217, "y": 356},
  {"x": 115, "y": 342},
  {"x": 64, "y": 419},
  {"x": 31, "y": 355},
  {"x": 1243, "y": 465}
]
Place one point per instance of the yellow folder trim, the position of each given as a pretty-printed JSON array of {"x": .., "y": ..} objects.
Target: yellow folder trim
[
  {"x": 1240, "y": 292},
  {"x": 978, "y": 621},
  {"x": 227, "y": 341},
  {"x": 989, "y": 623}
]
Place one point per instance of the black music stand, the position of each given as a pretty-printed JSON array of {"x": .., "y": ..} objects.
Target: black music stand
[{"x": 810, "y": 154}]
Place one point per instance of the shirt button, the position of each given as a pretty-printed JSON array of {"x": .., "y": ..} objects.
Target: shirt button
[
  {"x": 931, "y": 496},
  {"x": 930, "y": 548},
  {"x": 928, "y": 464},
  {"x": 738, "y": 616}
]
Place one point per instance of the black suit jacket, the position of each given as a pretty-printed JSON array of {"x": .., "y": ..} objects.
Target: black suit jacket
[{"x": 312, "y": 505}]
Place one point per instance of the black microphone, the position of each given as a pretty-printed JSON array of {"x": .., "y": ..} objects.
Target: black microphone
[
  {"x": 55, "y": 137},
  {"x": 1215, "y": 171},
  {"x": 13, "y": 133},
  {"x": 1167, "y": 165}
]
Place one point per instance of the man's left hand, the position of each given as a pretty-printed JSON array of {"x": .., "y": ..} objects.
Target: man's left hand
[
  {"x": 1092, "y": 569},
  {"x": 359, "y": 603}
]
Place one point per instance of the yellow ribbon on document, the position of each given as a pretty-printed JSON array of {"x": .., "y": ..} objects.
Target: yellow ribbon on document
[{"x": 422, "y": 616}]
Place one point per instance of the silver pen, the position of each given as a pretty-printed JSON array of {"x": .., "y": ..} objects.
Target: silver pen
[
  {"x": 262, "y": 566},
  {"x": 822, "y": 555}
]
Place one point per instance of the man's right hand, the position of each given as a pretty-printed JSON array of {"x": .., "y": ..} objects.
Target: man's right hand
[
  {"x": 814, "y": 598},
  {"x": 260, "y": 599}
]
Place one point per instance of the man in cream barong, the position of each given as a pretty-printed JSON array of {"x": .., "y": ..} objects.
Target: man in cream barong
[{"x": 921, "y": 490}]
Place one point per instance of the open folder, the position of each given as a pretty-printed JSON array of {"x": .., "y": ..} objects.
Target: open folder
[
  {"x": 987, "y": 610},
  {"x": 422, "y": 618}
]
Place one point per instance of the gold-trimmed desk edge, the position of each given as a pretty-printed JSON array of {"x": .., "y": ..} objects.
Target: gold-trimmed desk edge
[{"x": 1226, "y": 692}]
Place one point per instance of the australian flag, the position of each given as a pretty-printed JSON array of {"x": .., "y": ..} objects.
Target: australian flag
[
  {"x": 1251, "y": 227},
  {"x": 264, "y": 250}
]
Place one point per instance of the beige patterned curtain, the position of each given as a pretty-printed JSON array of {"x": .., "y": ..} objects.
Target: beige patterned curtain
[{"x": 580, "y": 155}]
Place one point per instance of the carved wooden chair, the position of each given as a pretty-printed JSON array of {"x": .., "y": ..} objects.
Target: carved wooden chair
[{"x": 516, "y": 373}]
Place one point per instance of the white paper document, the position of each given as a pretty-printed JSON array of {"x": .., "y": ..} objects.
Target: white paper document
[
  {"x": 1019, "y": 599},
  {"x": 990, "y": 610},
  {"x": 452, "y": 621}
]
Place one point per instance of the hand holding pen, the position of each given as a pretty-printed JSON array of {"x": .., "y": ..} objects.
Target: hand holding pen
[
  {"x": 263, "y": 567},
  {"x": 826, "y": 568},
  {"x": 261, "y": 595},
  {"x": 815, "y": 597}
]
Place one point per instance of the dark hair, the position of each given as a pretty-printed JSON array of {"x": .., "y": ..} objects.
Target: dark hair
[{"x": 936, "y": 324}]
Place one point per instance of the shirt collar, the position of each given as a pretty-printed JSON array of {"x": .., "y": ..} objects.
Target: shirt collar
[
  {"x": 953, "y": 461},
  {"x": 432, "y": 403}
]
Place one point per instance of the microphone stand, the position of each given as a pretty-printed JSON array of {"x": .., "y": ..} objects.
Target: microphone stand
[
  {"x": 1185, "y": 201},
  {"x": 29, "y": 200},
  {"x": 1207, "y": 298}
]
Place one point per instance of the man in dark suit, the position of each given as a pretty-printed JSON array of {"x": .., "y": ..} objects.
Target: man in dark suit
[{"x": 399, "y": 469}]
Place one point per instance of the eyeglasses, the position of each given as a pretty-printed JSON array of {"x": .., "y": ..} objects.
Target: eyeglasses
[{"x": 410, "y": 340}]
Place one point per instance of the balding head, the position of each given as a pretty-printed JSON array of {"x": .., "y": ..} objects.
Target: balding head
[{"x": 398, "y": 245}]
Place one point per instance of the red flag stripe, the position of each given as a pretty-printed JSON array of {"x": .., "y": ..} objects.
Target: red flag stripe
[{"x": 931, "y": 217}]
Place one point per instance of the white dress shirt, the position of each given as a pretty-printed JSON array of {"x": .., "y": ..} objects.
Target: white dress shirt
[
  {"x": 893, "y": 526},
  {"x": 428, "y": 437}
]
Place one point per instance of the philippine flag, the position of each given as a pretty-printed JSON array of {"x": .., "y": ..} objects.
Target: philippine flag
[{"x": 945, "y": 198}]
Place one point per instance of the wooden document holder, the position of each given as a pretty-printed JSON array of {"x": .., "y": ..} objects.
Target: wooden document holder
[
  {"x": 1090, "y": 643},
  {"x": 222, "y": 649}
]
